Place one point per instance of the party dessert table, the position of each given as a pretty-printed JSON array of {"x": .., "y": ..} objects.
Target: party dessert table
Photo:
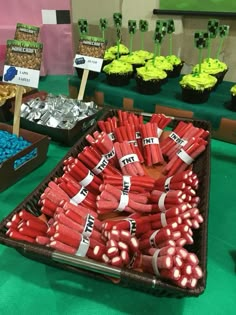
[
  {"x": 29, "y": 286},
  {"x": 168, "y": 101}
]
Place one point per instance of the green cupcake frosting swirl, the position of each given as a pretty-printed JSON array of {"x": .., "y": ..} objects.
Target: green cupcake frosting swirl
[
  {"x": 146, "y": 55},
  {"x": 150, "y": 72},
  {"x": 133, "y": 59},
  {"x": 211, "y": 66},
  {"x": 233, "y": 90},
  {"x": 109, "y": 56},
  {"x": 161, "y": 63},
  {"x": 122, "y": 49},
  {"x": 197, "y": 81},
  {"x": 174, "y": 60},
  {"x": 119, "y": 67}
]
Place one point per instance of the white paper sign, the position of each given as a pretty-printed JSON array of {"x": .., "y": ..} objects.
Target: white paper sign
[
  {"x": 88, "y": 62},
  {"x": 21, "y": 76}
]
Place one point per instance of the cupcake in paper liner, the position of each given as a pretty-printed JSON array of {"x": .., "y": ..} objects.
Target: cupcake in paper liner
[
  {"x": 146, "y": 55},
  {"x": 214, "y": 67},
  {"x": 123, "y": 50},
  {"x": 108, "y": 57},
  {"x": 134, "y": 60},
  {"x": 161, "y": 63},
  {"x": 118, "y": 73},
  {"x": 177, "y": 64},
  {"x": 232, "y": 105},
  {"x": 196, "y": 87},
  {"x": 149, "y": 79}
]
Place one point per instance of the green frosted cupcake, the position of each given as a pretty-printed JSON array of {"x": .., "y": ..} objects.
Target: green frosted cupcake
[
  {"x": 177, "y": 64},
  {"x": 146, "y": 55},
  {"x": 214, "y": 67},
  {"x": 134, "y": 60},
  {"x": 162, "y": 63},
  {"x": 196, "y": 87},
  {"x": 108, "y": 57},
  {"x": 118, "y": 73},
  {"x": 149, "y": 79},
  {"x": 123, "y": 50},
  {"x": 233, "y": 98}
]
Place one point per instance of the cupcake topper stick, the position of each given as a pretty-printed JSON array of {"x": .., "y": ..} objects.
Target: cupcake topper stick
[
  {"x": 201, "y": 41},
  {"x": 103, "y": 26},
  {"x": 223, "y": 32},
  {"x": 143, "y": 27},
  {"x": 170, "y": 31},
  {"x": 117, "y": 18},
  {"x": 213, "y": 27},
  {"x": 132, "y": 27},
  {"x": 83, "y": 27},
  {"x": 159, "y": 34}
]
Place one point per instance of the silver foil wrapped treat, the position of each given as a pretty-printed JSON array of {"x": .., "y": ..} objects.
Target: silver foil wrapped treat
[{"x": 57, "y": 111}]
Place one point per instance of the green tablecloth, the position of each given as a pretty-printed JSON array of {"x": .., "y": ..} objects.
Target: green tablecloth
[
  {"x": 170, "y": 95},
  {"x": 29, "y": 287}
]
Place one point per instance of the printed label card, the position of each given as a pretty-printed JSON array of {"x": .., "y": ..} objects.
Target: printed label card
[
  {"x": 23, "y": 62},
  {"x": 90, "y": 54}
]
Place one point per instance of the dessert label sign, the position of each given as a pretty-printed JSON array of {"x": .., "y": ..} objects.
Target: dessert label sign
[
  {"x": 23, "y": 62},
  {"x": 90, "y": 54}
]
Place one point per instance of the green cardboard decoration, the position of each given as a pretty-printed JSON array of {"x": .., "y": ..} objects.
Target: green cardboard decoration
[
  {"x": 170, "y": 30},
  {"x": 143, "y": 27},
  {"x": 117, "y": 18},
  {"x": 170, "y": 26},
  {"x": 213, "y": 28},
  {"x": 83, "y": 27},
  {"x": 103, "y": 23},
  {"x": 132, "y": 27},
  {"x": 201, "y": 40},
  {"x": 223, "y": 33},
  {"x": 159, "y": 34}
]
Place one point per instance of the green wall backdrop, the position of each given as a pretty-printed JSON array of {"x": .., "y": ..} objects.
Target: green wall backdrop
[{"x": 197, "y": 5}]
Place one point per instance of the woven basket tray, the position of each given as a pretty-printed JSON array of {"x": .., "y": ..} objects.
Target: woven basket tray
[{"x": 123, "y": 277}]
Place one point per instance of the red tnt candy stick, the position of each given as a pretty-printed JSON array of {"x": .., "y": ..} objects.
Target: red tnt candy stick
[
  {"x": 14, "y": 234},
  {"x": 55, "y": 188},
  {"x": 168, "y": 142},
  {"x": 86, "y": 229},
  {"x": 42, "y": 240},
  {"x": 128, "y": 158},
  {"x": 37, "y": 225},
  {"x": 146, "y": 148},
  {"x": 137, "y": 165},
  {"x": 170, "y": 222},
  {"x": 155, "y": 263},
  {"x": 62, "y": 247},
  {"x": 80, "y": 210},
  {"x": 27, "y": 231},
  {"x": 26, "y": 215},
  {"x": 153, "y": 238},
  {"x": 47, "y": 203},
  {"x": 164, "y": 251}
]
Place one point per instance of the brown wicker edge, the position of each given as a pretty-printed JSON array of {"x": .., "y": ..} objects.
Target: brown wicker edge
[{"x": 128, "y": 278}]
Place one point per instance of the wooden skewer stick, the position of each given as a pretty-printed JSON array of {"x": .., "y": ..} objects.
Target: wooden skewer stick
[
  {"x": 17, "y": 110},
  {"x": 83, "y": 84}
]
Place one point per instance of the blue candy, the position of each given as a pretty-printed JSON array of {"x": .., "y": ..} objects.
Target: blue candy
[
  {"x": 10, "y": 145},
  {"x": 10, "y": 74}
]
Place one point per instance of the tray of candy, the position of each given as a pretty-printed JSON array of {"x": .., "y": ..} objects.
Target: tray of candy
[
  {"x": 135, "y": 278},
  {"x": 7, "y": 98},
  {"x": 21, "y": 162},
  {"x": 67, "y": 136}
]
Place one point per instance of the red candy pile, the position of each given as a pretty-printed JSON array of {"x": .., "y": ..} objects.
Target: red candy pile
[{"x": 110, "y": 206}]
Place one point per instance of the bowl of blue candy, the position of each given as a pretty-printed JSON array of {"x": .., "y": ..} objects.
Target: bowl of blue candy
[{"x": 19, "y": 155}]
